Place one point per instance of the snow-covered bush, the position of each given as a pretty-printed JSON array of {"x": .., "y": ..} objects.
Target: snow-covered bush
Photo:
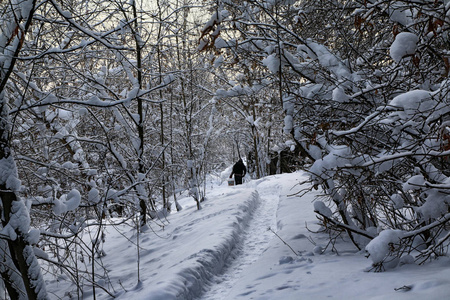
[
  {"x": 393, "y": 173},
  {"x": 364, "y": 87}
]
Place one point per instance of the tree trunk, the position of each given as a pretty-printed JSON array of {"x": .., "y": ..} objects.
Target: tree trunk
[
  {"x": 14, "y": 209},
  {"x": 140, "y": 123}
]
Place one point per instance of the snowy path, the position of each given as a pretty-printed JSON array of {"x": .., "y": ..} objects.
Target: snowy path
[
  {"x": 255, "y": 241},
  {"x": 224, "y": 251}
]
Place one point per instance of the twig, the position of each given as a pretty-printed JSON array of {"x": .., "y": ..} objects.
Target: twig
[
  {"x": 404, "y": 288},
  {"x": 283, "y": 241}
]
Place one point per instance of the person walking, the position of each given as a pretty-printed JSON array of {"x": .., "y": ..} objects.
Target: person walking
[{"x": 239, "y": 171}]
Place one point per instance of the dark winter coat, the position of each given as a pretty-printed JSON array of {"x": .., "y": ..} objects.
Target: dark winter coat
[{"x": 239, "y": 169}]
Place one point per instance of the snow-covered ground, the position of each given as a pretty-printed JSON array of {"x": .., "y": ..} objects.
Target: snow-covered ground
[{"x": 252, "y": 241}]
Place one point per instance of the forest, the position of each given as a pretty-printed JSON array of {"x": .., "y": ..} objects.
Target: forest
[{"x": 111, "y": 109}]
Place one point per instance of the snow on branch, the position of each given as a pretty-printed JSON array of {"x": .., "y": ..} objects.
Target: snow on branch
[
  {"x": 99, "y": 37},
  {"x": 68, "y": 202},
  {"x": 405, "y": 44},
  {"x": 95, "y": 101},
  {"x": 8, "y": 174},
  {"x": 212, "y": 28},
  {"x": 341, "y": 225}
]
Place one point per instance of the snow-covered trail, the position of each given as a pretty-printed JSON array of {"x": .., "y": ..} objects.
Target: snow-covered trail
[
  {"x": 254, "y": 241},
  {"x": 224, "y": 251}
]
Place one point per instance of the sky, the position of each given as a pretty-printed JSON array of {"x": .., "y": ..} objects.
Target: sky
[{"x": 253, "y": 241}]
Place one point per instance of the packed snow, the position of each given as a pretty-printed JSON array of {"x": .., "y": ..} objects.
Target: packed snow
[{"x": 253, "y": 241}]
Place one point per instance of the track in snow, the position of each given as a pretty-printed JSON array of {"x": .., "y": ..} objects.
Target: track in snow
[{"x": 254, "y": 242}]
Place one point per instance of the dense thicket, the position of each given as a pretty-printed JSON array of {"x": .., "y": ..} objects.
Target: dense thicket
[
  {"x": 364, "y": 88},
  {"x": 111, "y": 109}
]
